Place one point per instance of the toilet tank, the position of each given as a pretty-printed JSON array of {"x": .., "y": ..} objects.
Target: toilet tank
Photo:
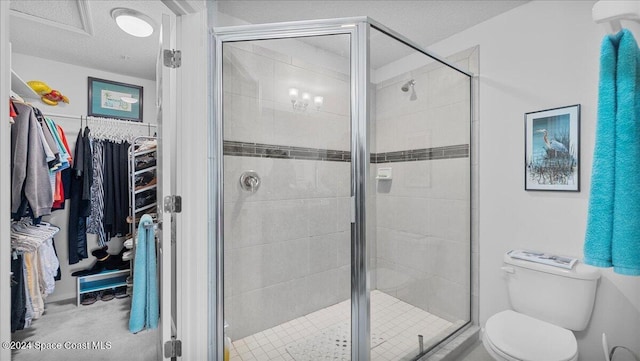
[{"x": 559, "y": 296}]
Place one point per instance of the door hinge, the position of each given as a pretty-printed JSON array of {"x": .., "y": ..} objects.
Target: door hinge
[
  {"x": 172, "y": 204},
  {"x": 173, "y": 348},
  {"x": 172, "y": 58}
]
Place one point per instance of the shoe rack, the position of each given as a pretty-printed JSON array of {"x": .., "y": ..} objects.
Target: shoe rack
[{"x": 142, "y": 184}]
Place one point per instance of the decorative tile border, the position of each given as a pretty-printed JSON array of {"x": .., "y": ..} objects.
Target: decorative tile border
[
  {"x": 284, "y": 152},
  {"x": 244, "y": 149},
  {"x": 448, "y": 152}
]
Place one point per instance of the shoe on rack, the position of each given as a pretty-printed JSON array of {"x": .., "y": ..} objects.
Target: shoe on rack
[
  {"x": 121, "y": 292},
  {"x": 145, "y": 200},
  {"x": 127, "y": 256},
  {"x": 107, "y": 295},
  {"x": 150, "y": 183},
  {"x": 145, "y": 162},
  {"x": 128, "y": 243},
  {"x": 150, "y": 144},
  {"x": 144, "y": 178},
  {"x": 89, "y": 298}
]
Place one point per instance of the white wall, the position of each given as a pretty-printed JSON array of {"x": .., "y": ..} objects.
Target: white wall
[
  {"x": 541, "y": 55},
  {"x": 71, "y": 80}
]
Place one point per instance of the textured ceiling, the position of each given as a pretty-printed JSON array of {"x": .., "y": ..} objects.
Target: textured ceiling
[
  {"x": 82, "y": 32},
  {"x": 64, "y": 12},
  {"x": 424, "y": 22}
]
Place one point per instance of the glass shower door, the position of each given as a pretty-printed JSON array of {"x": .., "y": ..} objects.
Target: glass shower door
[
  {"x": 420, "y": 174},
  {"x": 287, "y": 192}
]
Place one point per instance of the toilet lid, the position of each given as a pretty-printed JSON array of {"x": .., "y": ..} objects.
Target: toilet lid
[{"x": 525, "y": 338}]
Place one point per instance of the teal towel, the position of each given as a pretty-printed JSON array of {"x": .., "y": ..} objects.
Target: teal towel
[
  {"x": 144, "y": 303},
  {"x": 152, "y": 307},
  {"x": 613, "y": 235},
  {"x": 597, "y": 245},
  {"x": 625, "y": 247}
]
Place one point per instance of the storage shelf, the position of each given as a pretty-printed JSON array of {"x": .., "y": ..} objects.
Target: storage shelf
[
  {"x": 100, "y": 281},
  {"x": 138, "y": 210},
  {"x": 146, "y": 188},
  {"x": 21, "y": 87},
  {"x": 143, "y": 152},
  {"x": 145, "y": 170}
]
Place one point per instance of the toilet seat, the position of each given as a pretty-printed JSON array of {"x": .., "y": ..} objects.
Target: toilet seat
[{"x": 514, "y": 336}]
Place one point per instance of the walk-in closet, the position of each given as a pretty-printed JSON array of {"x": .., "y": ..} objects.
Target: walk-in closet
[{"x": 85, "y": 169}]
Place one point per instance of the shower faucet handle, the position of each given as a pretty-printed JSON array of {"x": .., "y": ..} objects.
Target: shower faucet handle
[{"x": 250, "y": 181}]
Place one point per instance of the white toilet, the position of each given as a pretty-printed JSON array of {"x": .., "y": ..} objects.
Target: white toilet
[{"x": 548, "y": 302}]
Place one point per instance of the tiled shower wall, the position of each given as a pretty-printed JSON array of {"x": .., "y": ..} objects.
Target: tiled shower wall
[
  {"x": 287, "y": 245},
  {"x": 423, "y": 224}
]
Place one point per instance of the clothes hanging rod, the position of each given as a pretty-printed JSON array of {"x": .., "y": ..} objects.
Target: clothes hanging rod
[
  {"x": 91, "y": 118},
  {"x": 611, "y": 12}
]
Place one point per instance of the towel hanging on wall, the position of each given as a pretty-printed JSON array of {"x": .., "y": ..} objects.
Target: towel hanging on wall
[
  {"x": 613, "y": 233},
  {"x": 144, "y": 305}
]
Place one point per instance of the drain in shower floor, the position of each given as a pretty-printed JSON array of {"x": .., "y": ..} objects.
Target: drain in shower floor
[{"x": 332, "y": 343}]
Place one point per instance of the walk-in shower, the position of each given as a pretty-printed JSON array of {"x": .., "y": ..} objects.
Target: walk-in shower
[{"x": 343, "y": 211}]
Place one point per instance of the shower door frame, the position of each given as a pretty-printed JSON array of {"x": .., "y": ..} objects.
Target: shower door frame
[{"x": 358, "y": 28}]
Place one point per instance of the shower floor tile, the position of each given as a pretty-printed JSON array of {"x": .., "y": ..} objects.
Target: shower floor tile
[{"x": 395, "y": 326}]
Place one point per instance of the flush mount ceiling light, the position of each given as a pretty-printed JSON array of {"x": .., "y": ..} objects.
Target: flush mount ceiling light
[{"x": 133, "y": 22}]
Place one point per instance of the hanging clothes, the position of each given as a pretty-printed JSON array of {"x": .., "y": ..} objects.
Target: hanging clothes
[
  {"x": 12, "y": 111},
  {"x": 55, "y": 163},
  {"x": 30, "y": 184},
  {"x": 34, "y": 267},
  {"x": 18, "y": 296},
  {"x": 63, "y": 179},
  {"x": 116, "y": 190},
  {"x": 95, "y": 224},
  {"x": 80, "y": 203}
]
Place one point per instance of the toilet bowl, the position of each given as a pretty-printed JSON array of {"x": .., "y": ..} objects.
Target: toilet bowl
[
  {"x": 548, "y": 303},
  {"x": 513, "y": 336}
]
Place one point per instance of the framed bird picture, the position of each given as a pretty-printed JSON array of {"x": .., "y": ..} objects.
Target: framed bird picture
[{"x": 552, "y": 149}]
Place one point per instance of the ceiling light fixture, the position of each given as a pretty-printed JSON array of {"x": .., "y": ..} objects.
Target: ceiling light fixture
[{"x": 133, "y": 22}]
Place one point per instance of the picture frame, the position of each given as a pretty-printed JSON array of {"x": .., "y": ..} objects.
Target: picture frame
[
  {"x": 552, "y": 149},
  {"x": 111, "y": 99}
]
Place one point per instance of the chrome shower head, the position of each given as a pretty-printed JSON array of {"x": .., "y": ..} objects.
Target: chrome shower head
[{"x": 406, "y": 86}]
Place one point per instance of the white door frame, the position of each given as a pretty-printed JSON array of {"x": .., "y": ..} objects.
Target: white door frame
[
  {"x": 5, "y": 182},
  {"x": 192, "y": 300}
]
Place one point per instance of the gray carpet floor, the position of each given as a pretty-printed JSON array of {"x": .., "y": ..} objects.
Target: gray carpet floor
[{"x": 102, "y": 327}]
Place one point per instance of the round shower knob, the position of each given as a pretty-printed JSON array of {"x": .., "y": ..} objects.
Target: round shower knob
[{"x": 250, "y": 181}]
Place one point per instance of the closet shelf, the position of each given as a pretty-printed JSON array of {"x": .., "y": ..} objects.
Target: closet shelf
[
  {"x": 21, "y": 88},
  {"x": 144, "y": 170},
  {"x": 148, "y": 206},
  {"x": 146, "y": 188},
  {"x": 143, "y": 152},
  {"x": 100, "y": 281}
]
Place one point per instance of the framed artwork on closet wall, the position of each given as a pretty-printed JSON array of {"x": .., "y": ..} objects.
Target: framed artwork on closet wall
[{"x": 112, "y": 99}]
